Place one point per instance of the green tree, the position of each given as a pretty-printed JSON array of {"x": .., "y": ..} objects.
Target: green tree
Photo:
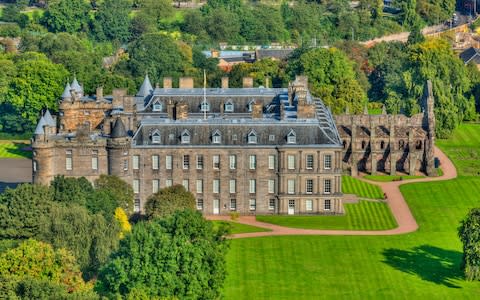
[
  {"x": 66, "y": 15},
  {"x": 168, "y": 200},
  {"x": 469, "y": 233},
  {"x": 331, "y": 77},
  {"x": 112, "y": 21},
  {"x": 71, "y": 190},
  {"x": 118, "y": 191},
  {"x": 11, "y": 13},
  {"x": 180, "y": 256},
  {"x": 155, "y": 10}
]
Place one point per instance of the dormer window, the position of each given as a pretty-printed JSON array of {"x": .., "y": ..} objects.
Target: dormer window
[
  {"x": 156, "y": 137},
  {"x": 291, "y": 137},
  {"x": 216, "y": 137},
  {"x": 229, "y": 106},
  {"x": 204, "y": 107},
  {"x": 250, "y": 105},
  {"x": 157, "y": 106},
  {"x": 185, "y": 137},
  {"x": 252, "y": 137}
]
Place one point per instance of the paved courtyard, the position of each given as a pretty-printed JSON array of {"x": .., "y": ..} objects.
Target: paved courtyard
[{"x": 14, "y": 171}]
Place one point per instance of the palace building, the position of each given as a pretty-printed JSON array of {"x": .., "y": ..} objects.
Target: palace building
[{"x": 251, "y": 150}]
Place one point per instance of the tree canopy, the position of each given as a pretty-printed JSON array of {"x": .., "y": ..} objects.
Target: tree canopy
[
  {"x": 66, "y": 15},
  {"x": 168, "y": 200},
  {"x": 469, "y": 233}
]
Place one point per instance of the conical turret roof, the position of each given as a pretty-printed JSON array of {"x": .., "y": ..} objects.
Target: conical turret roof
[
  {"x": 39, "y": 128},
  {"x": 48, "y": 118},
  {"x": 118, "y": 130},
  {"x": 146, "y": 87},
  {"x": 76, "y": 86},
  {"x": 66, "y": 91}
]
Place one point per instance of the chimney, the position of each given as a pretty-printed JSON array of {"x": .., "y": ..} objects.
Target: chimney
[
  {"x": 224, "y": 82},
  {"x": 167, "y": 82},
  {"x": 171, "y": 109},
  {"x": 215, "y": 53},
  {"x": 99, "y": 93},
  {"x": 118, "y": 95},
  {"x": 267, "y": 81},
  {"x": 257, "y": 110},
  {"x": 186, "y": 83},
  {"x": 247, "y": 82},
  {"x": 181, "y": 111},
  {"x": 302, "y": 80}
]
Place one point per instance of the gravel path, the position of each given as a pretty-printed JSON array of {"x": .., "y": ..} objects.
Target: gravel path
[{"x": 405, "y": 220}]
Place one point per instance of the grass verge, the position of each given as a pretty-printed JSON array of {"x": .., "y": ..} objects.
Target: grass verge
[
  {"x": 239, "y": 228},
  {"x": 360, "y": 188},
  {"x": 15, "y": 149},
  {"x": 387, "y": 178}
]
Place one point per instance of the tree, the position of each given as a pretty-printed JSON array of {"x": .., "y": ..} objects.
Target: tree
[
  {"x": 66, "y": 15},
  {"x": 168, "y": 200},
  {"x": 112, "y": 21},
  {"x": 11, "y": 13},
  {"x": 223, "y": 25},
  {"x": 177, "y": 257},
  {"x": 469, "y": 233},
  {"x": 71, "y": 190},
  {"x": 155, "y": 10},
  {"x": 119, "y": 191}
]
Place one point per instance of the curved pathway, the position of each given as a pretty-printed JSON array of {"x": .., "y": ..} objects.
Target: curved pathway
[{"x": 405, "y": 220}]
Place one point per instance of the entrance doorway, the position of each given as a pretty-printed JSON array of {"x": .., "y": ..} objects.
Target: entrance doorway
[
  {"x": 291, "y": 207},
  {"x": 216, "y": 206}
]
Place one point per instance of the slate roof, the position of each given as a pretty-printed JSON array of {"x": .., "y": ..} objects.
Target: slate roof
[
  {"x": 273, "y": 53},
  {"x": 39, "y": 128},
  {"x": 146, "y": 87},
  {"x": 118, "y": 130},
  {"x": 48, "y": 119},
  {"x": 66, "y": 91},
  {"x": 470, "y": 55},
  {"x": 76, "y": 86}
]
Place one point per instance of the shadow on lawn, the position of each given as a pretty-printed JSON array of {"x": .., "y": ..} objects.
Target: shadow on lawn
[
  {"x": 430, "y": 263},
  {"x": 21, "y": 149}
]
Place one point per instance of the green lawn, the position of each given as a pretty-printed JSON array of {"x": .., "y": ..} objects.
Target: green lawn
[
  {"x": 239, "y": 228},
  {"x": 365, "y": 215},
  {"x": 360, "y": 188},
  {"x": 420, "y": 265},
  {"x": 386, "y": 178},
  {"x": 14, "y": 149}
]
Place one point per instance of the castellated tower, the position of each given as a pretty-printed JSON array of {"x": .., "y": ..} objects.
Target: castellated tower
[
  {"x": 43, "y": 153},
  {"x": 118, "y": 148}
]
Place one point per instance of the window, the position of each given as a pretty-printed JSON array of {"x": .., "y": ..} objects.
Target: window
[
  {"x": 204, "y": 107},
  {"x": 252, "y": 137},
  {"x": 155, "y": 185},
  {"x": 252, "y": 186},
  {"x": 216, "y": 161},
  {"x": 291, "y": 137},
  {"x": 234, "y": 137},
  {"x": 216, "y": 186},
  {"x": 199, "y": 162},
  {"x": 291, "y": 162},
  {"x": 232, "y": 186},
  {"x": 291, "y": 186},
  {"x": 156, "y": 137},
  {"x": 136, "y": 206},
  {"x": 327, "y": 162},
  {"x": 171, "y": 136},
  {"x": 199, "y": 186},
  {"x": 233, "y": 204},
  {"x": 271, "y": 186},
  {"x": 271, "y": 138},
  {"x": 125, "y": 164},
  {"x": 35, "y": 167},
  {"x": 185, "y": 137},
  {"x": 309, "y": 205},
  {"x": 382, "y": 145},
  {"x": 135, "y": 162},
  {"x": 157, "y": 106},
  {"x": 418, "y": 145},
  {"x": 185, "y": 184},
  {"x": 309, "y": 186},
  {"x": 250, "y": 105},
  {"x": 155, "y": 160},
  {"x": 327, "y": 186},
  {"x": 216, "y": 137},
  {"x": 271, "y": 162},
  {"x": 186, "y": 162},
  {"x": 229, "y": 106},
  {"x": 232, "y": 162},
  {"x": 95, "y": 160},
  {"x": 309, "y": 162},
  {"x": 199, "y": 204},
  {"x": 168, "y": 183},
  {"x": 68, "y": 160},
  {"x": 327, "y": 205},
  {"x": 136, "y": 186},
  {"x": 271, "y": 204},
  {"x": 252, "y": 204},
  {"x": 252, "y": 162},
  {"x": 168, "y": 162}
]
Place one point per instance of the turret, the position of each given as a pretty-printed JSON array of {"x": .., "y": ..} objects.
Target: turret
[
  {"x": 76, "y": 87},
  {"x": 67, "y": 95},
  {"x": 118, "y": 147},
  {"x": 146, "y": 87}
]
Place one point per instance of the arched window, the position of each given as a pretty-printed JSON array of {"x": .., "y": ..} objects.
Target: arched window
[
  {"x": 185, "y": 137},
  {"x": 401, "y": 144},
  {"x": 364, "y": 144},
  {"x": 157, "y": 106},
  {"x": 252, "y": 137},
  {"x": 204, "y": 107},
  {"x": 382, "y": 145},
  {"x": 344, "y": 144},
  {"x": 291, "y": 137},
  {"x": 250, "y": 105},
  {"x": 229, "y": 107},
  {"x": 418, "y": 145},
  {"x": 156, "y": 137},
  {"x": 216, "y": 137}
]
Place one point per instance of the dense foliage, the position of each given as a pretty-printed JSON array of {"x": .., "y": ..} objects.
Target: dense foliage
[
  {"x": 180, "y": 256},
  {"x": 168, "y": 200},
  {"x": 469, "y": 233}
]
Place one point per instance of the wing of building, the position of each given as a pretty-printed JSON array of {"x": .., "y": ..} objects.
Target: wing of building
[{"x": 250, "y": 150}]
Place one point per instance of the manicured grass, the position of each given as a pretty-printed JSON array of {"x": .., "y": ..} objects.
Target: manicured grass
[
  {"x": 239, "y": 228},
  {"x": 420, "y": 265},
  {"x": 14, "y": 149},
  {"x": 365, "y": 215},
  {"x": 387, "y": 178},
  {"x": 360, "y": 188}
]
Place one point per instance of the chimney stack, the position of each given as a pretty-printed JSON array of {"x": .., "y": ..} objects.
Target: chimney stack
[
  {"x": 186, "y": 83},
  {"x": 247, "y": 82},
  {"x": 167, "y": 82},
  {"x": 224, "y": 82},
  {"x": 99, "y": 93}
]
